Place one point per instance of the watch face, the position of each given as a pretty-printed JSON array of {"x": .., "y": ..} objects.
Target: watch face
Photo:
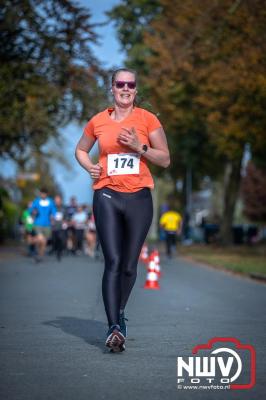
[{"x": 144, "y": 147}]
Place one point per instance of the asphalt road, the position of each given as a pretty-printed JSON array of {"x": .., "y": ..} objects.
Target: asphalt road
[{"x": 53, "y": 326}]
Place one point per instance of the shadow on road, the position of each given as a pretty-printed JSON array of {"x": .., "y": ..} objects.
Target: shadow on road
[{"x": 91, "y": 331}]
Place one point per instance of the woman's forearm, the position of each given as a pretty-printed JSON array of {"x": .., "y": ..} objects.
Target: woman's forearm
[
  {"x": 157, "y": 157},
  {"x": 158, "y": 153},
  {"x": 83, "y": 159}
]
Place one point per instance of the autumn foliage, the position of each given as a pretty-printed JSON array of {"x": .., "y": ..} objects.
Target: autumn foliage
[
  {"x": 204, "y": 66},
  {"x": 48, "y": 73}
]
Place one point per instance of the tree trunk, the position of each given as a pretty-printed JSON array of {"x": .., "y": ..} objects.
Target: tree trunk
[{"x": 231, "y": 190}]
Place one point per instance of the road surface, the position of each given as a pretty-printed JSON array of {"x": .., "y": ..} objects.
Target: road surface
[{"x": 53, "y": 328}]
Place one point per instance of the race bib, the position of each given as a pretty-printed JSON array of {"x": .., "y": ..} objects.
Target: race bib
[
  {"x": 123, "y": 164},
  {"x": 58, "y": 216},
  {"x": 44, "y": 202}
]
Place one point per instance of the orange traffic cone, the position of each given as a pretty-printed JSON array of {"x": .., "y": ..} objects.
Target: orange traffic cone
[
  {"x": 152, "y": 281},
  {"x": 144, "y": 254},
  {"x": 151, "y": 265},
  {"x": 157, "y": 262}
]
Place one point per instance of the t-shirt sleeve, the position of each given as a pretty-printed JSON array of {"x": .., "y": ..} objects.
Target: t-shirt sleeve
[
  {"x": 152, "y": 122},
  {"x": 89, "y": 129},
  {"x": 33, "y": 206}
]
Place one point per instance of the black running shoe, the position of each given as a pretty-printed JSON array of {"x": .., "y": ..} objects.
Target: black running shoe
[
  {"x": 115, "y": 339},
  {"x": 122, "y": 323}
]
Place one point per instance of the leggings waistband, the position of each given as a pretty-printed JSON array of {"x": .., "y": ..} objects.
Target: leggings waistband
[{"x": 125, "y": 195}]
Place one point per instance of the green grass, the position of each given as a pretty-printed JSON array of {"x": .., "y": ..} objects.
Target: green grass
[{"x": 241, "y": 259}]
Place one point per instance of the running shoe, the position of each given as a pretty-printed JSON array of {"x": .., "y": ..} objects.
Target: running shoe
[
  {"x": 115, "y": 339},
  {"x": 122, "y": 323}
]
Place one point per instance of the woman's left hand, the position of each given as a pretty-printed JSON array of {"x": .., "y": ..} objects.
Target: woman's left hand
[{"x": 128, "y": 137}]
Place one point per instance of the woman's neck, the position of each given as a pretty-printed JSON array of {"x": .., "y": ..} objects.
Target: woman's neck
[{"x": 121, "y": 113}]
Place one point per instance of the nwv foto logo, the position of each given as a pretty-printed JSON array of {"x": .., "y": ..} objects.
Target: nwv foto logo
[{"x": 223, "y": 365}]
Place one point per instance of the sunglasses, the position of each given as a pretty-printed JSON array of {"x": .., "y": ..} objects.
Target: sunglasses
[{"x": 122, "y": 84}]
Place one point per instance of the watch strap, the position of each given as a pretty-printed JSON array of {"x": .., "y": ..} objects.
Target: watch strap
[{"x": 144, "y": 149}]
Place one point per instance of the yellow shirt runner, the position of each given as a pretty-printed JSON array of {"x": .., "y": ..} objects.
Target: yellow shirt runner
[{"x": 171, "y": 221}]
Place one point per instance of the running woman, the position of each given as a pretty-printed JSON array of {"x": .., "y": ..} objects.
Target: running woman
[{"x": 128, "y": 137}]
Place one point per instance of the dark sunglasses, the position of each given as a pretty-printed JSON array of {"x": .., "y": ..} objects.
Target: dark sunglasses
[{"x": 122, "y": 84}]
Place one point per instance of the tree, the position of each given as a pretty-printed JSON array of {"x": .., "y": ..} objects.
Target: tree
[
  {"x": 48, "y": 74},
  {"x": 35, "y": 168},
  {"x": 9, "y": 214},
  {"x": 132, "y": 19},
  {"x": 140, "y": 24},
  {"x": 206, "y": 63},
  {"x": 229, "y": 48},
  {"x": 254, "y": 193}
]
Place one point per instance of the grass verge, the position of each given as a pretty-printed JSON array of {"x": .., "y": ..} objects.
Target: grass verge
[{"x": 239, "y": 259}]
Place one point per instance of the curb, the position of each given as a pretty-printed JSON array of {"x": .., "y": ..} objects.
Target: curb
[{"x": 255, "y": 275}]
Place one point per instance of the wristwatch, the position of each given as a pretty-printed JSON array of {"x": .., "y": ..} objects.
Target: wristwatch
[{"x": 144, "y": 149}]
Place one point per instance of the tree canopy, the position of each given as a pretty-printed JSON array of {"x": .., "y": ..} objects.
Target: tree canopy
[
  {"x": 148, "y": 31},
  {"x": 204, "y": 64},
  {"x": 48, "y": 73}
]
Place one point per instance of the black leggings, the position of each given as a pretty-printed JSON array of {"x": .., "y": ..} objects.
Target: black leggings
[
  {"x": 122, "y": 221},
  {"x": 170, "y": 242}
]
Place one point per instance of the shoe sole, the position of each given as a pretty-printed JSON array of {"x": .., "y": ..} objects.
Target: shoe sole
[
  {"x": 119, "y": 349},
  {"x": 116, "y": 342}
]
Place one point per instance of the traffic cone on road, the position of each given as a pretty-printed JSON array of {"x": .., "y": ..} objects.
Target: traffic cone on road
[
  {"x": 144, "y": 254},
  {"x": 156, "y": 258},
  {"x": 152, "y": 281},
  {"x": 151, "y": 263}
]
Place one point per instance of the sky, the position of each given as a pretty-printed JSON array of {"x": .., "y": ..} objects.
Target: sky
[{"x": 77, "y": 181}]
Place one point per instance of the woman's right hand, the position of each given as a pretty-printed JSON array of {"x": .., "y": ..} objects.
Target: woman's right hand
[{"x": 95, "y": 171}]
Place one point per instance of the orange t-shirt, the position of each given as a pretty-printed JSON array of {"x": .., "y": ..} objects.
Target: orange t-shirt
[{"x": 104, "y": 129}]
